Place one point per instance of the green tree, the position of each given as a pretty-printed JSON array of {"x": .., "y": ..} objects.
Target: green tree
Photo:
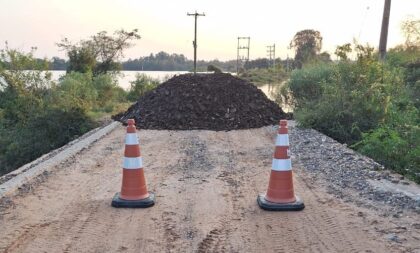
[
  {"x": 307, "y": 44},
  {"x": 22, "y": 91},
  {"x": 343, "y": 51},
  {"x": 81, "y": 59},
  {"x": 57, "y": 63},
  {"x": 100, "y": 53},
  {"x": 324, "y": 57},
  {"x": 411, "y": 30}
]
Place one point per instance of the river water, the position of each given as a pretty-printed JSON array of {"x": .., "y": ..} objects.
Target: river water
[{"x": 125, "y": 77}]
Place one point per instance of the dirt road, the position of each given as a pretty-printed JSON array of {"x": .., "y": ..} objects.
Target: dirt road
[{"x": 206, "y": 184}]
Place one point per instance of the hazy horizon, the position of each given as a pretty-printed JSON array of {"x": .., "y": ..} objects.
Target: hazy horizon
[{"x": 165, "y": 26}]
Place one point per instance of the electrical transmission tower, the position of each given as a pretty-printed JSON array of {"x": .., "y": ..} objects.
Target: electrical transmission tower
[
  {"x": 271, "y": 54},
  {"x": 242, "y": 47},
  {"x": 195, "y": 38}
]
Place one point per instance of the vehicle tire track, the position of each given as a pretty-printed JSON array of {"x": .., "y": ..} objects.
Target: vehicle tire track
[
  {"x": 219, "y": 239},
  {"x": 20, "y": 237},
  {"x": 215, "y": 241}
]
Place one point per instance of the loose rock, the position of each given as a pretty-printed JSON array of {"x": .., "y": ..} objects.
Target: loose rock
[{"x": 348, "y": 179}]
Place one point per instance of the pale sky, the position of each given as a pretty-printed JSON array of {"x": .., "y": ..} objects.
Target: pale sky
[{"x": 165, "y": 26}]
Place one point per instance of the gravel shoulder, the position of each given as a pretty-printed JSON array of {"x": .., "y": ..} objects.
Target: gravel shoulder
[{"x": 206, "y": 184}]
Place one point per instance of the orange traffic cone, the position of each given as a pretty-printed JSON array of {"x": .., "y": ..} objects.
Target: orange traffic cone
[
  {"x": 280, "y": 194},
  {"x": 133, "y": 191}
]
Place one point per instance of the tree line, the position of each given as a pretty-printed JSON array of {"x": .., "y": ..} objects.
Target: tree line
[
  {"x": 102, "y": 52},
  {"x": 306, "y": 43},
  {"x": 164, "y": 61}
]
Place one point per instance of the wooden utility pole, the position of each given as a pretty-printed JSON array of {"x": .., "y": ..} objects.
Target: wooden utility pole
[
  {"x": 384, "y": 30},
  {"x": 195, "y": 38}
]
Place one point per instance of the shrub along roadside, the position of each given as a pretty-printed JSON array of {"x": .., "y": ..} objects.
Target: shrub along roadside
[
  {"x": 140, "y": 86},
  {"x": 396, "y": 149},
  {"x": 44, "y": 131},
  {"x": 38, "y": 115},
  {"x": 369, "y": 105},
  {"x": 263, "y": 76}
]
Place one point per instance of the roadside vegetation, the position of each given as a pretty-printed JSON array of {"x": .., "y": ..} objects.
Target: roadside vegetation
[
  {"x": 140, "y": 86},
  {"x": 307, "y": 44},
  {"x": 38, "y": 114},
  {"x": 371, "y": 105},
  {"x": 263, "y": 76},
  {"x": 161, "y": 61}
]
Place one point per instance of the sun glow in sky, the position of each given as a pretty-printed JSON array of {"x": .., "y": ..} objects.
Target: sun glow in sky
[{"x": 165, "y": 26}]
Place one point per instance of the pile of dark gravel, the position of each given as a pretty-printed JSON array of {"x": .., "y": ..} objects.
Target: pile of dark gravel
[{"x": 205, "y": 101}]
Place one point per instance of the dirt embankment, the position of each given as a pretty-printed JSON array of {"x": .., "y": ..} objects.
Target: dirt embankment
[{"x": 206, "y": 184}]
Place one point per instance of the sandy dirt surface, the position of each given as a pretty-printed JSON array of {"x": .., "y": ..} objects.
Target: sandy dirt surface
[{"x": 206, "y": 184}]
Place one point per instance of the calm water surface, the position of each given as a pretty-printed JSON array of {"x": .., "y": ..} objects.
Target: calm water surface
[{"x": 126, "y": 77}]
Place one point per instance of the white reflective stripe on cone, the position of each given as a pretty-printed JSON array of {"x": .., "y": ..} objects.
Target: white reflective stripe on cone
[
  {"x": 281, "y": 164},
  {"x": 131, "y": 163},
  {"x": 131, "y": 139},
  {"x": 282, "y": 140}
]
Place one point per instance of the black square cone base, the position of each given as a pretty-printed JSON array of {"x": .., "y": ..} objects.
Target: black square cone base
[
  {"x": 141, "y": 203},
  {"x": 271, "y": 206}
]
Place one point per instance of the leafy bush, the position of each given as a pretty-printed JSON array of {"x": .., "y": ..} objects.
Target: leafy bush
[
  {"x": 396, "y": 149},
  {"x": 81, "y": 90},
  {"x": 395, "y": 142},
  {"x": 36, "y": 115},
  {"x": 212, "y": 68},
  {"x": 370, "y": 105},
  {"x": 140, "y": 86},
  {"x": 345, "y": 99},
  {"x": 306, "y": 85},
  {"x": 76, "y": 90},
  {"x": 22, "y": 91},
  {"x": 407, "y": 58},
  {"x": 263, "y": 76},
  {"x": 44, "y": 131},
  {"x": 109, "y": 93}
]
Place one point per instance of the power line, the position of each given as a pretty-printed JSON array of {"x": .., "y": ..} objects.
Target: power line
[{"x": 363, "y": 23}]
